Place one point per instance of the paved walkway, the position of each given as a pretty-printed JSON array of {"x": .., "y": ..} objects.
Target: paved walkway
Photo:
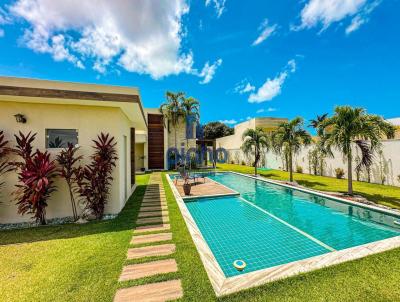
[{"x": 152, "y": 232}]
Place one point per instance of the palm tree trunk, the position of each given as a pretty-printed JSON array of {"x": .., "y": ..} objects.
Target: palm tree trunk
[
  {"x": 349, "y": 174},
  {"x": 255, "y": 162},
  {"x": 176, "y": 147},
  {"x": 290, "y": 165}
]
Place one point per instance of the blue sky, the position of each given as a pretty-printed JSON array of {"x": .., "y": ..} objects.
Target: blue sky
[{"x": 240, "y": 59}]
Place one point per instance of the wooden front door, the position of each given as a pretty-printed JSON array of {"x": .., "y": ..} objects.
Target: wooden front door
[
  {"x": 133, "y": 156},
  {"x": 156, "y": 141}
]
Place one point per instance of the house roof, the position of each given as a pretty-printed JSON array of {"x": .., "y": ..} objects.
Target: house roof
[{"x": 68, "y": 93}]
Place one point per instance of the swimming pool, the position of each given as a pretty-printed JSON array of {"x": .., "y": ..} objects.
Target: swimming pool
[{"x": 270, "y": 225}]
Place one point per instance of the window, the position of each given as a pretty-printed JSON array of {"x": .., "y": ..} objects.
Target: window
[{"x": 59, "y": 138}]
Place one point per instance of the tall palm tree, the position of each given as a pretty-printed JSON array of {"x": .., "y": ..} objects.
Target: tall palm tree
[
  {"x": 320, "y": 151},
  {"x": 173, "y": 110},
  {"x": 350, "y": 127},
  {"x": 255, "y": 141},
  {"x": 191, "y": 108},
  {"x": 290, "y": 137}
]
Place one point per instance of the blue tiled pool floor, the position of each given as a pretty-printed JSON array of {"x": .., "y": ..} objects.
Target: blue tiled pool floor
[
  {"x": 270, "y": 225},
  {"x": 235, "y": 230}
]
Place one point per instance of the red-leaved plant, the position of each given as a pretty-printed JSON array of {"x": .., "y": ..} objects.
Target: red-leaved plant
[
  {"x": 94, "y": 179},
  {"x": 67, "y": 160},
  {"x": 4, "y": 150},
  {"x": 36, "y": 174}
]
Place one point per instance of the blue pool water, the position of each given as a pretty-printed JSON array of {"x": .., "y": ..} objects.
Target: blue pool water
[{"x": 269, "y": 225}]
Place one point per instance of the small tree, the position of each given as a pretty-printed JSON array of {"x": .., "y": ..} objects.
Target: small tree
[
  {"x": 290, "y": 137},
  {"x": 255, "y": 141},
  {"x": 67, "y": 160},
  {"x": 94, "y": 180},
  {"x": 36, "y": 174},
  {"x": 215, "y": 130}
]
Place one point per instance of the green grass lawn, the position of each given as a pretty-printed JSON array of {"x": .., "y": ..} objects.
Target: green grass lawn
[
  {"x": 67, "y": 262},
  {"x": 380, "y": 194},
  {"x": 83, "y": 262}
]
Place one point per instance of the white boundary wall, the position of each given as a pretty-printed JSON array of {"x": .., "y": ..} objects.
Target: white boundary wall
[{"x": 390, "y": 161}]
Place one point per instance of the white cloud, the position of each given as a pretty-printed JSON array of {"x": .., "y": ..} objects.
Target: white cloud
[
  {"x": 362, "y": 17},
  {"x": 219, "y": 6},
  {"x": 272, "y": 87},
  {"x": 229, "y": 122},
  {"x": 266, "y": 31},
  {"x": 244, "y": 87},
  {"x": 3, "y": 20},
  {"x": 208, "y": 71},
  {"x": 142, "y": 36},
  {"x": 326, "y": 12},
  {"x": 355, "y": 24},
  {"x": 270, "y": 109}
]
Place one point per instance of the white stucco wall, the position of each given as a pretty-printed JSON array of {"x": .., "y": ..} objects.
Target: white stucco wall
[{"x": 89, "y": 121}]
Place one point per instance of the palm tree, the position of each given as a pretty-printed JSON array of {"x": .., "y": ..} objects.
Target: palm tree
[
  {"x": 254, "y": 142},
  {"x": 172, "y": 109},
  {"x": 320, "y": 151},
  {"x": 290, "y": 137},
  {"x": 350, "y": 127},
  {"x": 191, "y": 108}
]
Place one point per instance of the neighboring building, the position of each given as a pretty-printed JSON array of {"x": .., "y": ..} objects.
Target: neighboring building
[
  {"x": 396, "y": 123},
  {"x": 78, "y": 113},
  {"x": 233, "y": 143}
]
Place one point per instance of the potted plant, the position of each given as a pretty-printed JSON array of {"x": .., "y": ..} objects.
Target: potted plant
[{"x": 187, "y": 187}]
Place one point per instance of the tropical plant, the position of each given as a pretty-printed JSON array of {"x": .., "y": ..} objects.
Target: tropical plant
[
  {"x": 4, "y": 151},
  {"x": 320, "y": 152},
  {"x": 57, "y": 143},
  {"x": 173, "y": 110},
  {"x": 215, "y": 130},
  {"x": 383, "y": 167},
  {"x": 350, "y": 127},
  {"x": 313, "y": 160},
  {"x": 339, "y": 172},
  {"x": 191, "y": 111},
  {"x": 290, "y": 137},
  {"x": 255, "y": 141},
  {"x": 36, "y": 174},
  {"x": 94, "y": 180},
  {"x": 67, "y": 160}
]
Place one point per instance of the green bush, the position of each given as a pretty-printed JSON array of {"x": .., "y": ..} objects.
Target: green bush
[
  {"x": 339, "y": 173},
  {"x": 299, "y": 169}
]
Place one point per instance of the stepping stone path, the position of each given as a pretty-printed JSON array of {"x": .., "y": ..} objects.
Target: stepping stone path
[{"x": 152, "y": 230}]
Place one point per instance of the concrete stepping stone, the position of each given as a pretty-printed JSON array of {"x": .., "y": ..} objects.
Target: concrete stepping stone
[
  {"x": 146, "y": 199},
  {"x": 148, "y": 269},
  {"x": 154, "y": 292},
  {"x": 151, "y": 251},
  {"x": 152, "y": 208},
  {"x": 154, "y": 220},
  {"x": 153, "y": 214},
  {"x": 151, "y": 228},
  {"x": 151, "y": 238},
  {"x": 154, "y": 204}
]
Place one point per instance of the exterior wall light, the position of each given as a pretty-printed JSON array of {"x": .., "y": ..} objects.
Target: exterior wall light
[{"x": 20, "y": 118}]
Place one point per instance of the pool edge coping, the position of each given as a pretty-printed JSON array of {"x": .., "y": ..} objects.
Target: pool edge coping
[{"x": 224, "y": 286}]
